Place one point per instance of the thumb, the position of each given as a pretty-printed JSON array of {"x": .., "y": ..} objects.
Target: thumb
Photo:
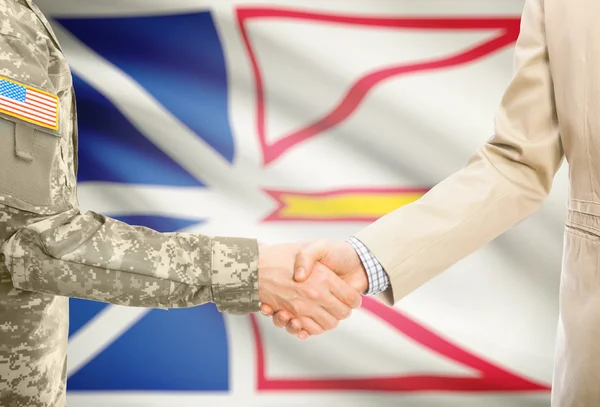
[{"x": 306, "y": 259}]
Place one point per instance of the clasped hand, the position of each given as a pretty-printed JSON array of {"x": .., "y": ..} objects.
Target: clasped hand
[{"x": 309, "y": 288}]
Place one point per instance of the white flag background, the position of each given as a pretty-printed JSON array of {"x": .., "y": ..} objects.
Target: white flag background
[{"x": 293, "y": 120}]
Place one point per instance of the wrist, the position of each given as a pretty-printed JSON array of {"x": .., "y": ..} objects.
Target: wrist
[
  {"x": 359, "y": 278},
  {"x": 362, "y": 279}
]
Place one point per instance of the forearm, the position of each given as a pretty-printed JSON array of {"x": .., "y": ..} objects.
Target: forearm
[
  {"x": 98, "y": 258},
  {"x": 458, "y": 216},
  {"x": 504, "y": 182}
]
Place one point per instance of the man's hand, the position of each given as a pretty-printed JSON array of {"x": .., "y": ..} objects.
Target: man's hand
[
  {"x": 319, "y": 302},
  {"x": 337, "y": 256}
]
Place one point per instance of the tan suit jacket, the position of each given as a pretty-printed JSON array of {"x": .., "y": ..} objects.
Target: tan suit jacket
[{"x": 551, "y": 109}]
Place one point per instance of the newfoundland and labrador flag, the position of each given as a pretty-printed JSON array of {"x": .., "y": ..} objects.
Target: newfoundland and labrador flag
[{"x": 292, "y": 120}]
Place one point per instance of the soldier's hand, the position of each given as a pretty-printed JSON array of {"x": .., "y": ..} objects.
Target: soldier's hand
[
  {"x": 317, "y": 304},
  {"x": 337, "y": 256}
]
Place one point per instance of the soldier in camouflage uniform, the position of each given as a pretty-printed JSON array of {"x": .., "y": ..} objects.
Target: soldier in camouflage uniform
[{"x": 51, "y": 251}]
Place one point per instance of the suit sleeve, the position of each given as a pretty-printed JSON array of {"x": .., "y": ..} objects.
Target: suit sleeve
[
  {"x": 501, "y": 184},
  {"x": 94, "y": 257}
]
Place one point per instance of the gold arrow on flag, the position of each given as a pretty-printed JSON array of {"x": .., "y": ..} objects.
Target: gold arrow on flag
[{"x": 361, "y": 204}]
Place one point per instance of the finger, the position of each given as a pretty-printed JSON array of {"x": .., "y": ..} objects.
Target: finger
[
  {"x": 336, "y": 308},
  {"x": 294, "y": 327},
  {"x": 306, "y": 259},
  {"x": 303, "y": 335},
  {"x": 344, "y": 292},
  {"x": 266, "y": 310},
  {"x": 313, "y": 299},
  {"x": 281, "y": 318},
  {"x": 311, "y": 327},
  {"x": 324, "y": 319},
  {"x": 319, "y": 303}
]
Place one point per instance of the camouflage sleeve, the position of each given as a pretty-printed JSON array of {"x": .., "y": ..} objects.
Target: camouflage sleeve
[
  {"x": 51, "y": 246},
  {"x": 93, "y": 257}
]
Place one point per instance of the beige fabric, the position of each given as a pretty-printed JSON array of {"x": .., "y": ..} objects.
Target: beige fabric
[{"x": 550, "y": 109}]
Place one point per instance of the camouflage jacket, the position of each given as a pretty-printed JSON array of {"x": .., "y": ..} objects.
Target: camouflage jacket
[{"x": 50, "y": 250}]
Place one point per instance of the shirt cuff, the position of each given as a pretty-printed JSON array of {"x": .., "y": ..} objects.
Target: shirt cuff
[{"x": 378, "y": 279}]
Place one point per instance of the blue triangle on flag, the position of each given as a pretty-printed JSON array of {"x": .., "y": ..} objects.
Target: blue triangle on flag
[
  {"x": 111, "y": 149},
  {"x": 82, "y": 312},
  {"x": 180, "y": 349},
  {"x": 178, "y": 59},
  {"x": 175, "y": 350}
]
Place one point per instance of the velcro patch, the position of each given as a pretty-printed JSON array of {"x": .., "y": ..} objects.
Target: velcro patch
[{"x": 28, "y": 104}]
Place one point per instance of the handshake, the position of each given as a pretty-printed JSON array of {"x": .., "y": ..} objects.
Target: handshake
[{"x": 309, "y": 288}]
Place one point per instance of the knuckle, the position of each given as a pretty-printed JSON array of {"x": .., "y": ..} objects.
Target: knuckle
[
  {"x": 310, "y": 326},
  {"x": 322, "y": 277},
  {"x": 352, "y": 299},
  {"x": 338, "y": 311},
  {"x": 331, "y": 323},
  {"x": 344, "y": 313},
  {"x": 312, "y": 293},
  {"x": 298, "y": 307},
  {"x": 279, "y": 322},
  {"x": 303, "y": 255}
]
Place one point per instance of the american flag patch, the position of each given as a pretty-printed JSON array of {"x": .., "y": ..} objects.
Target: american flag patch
[{"x": 29, "y": 104}]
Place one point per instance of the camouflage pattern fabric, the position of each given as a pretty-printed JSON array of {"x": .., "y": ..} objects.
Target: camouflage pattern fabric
[{"x": 51, "y": 251}]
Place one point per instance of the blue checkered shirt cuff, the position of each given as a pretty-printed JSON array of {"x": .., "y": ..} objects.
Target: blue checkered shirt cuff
[{"x": 378, "y": 278}]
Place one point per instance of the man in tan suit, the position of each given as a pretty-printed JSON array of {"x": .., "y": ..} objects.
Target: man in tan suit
[{"x": 550, "y": 109}]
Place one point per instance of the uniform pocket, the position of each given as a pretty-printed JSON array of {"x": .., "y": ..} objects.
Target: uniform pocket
[{"x": 27, "y": 161}]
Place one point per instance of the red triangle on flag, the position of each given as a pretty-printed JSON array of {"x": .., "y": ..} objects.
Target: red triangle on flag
[
  {"x": 491, "y": 378},
  {"x": 507, "y": 28}
]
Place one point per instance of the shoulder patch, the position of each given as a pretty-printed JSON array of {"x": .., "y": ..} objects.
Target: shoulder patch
[{"x": 29, "y": 104}]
